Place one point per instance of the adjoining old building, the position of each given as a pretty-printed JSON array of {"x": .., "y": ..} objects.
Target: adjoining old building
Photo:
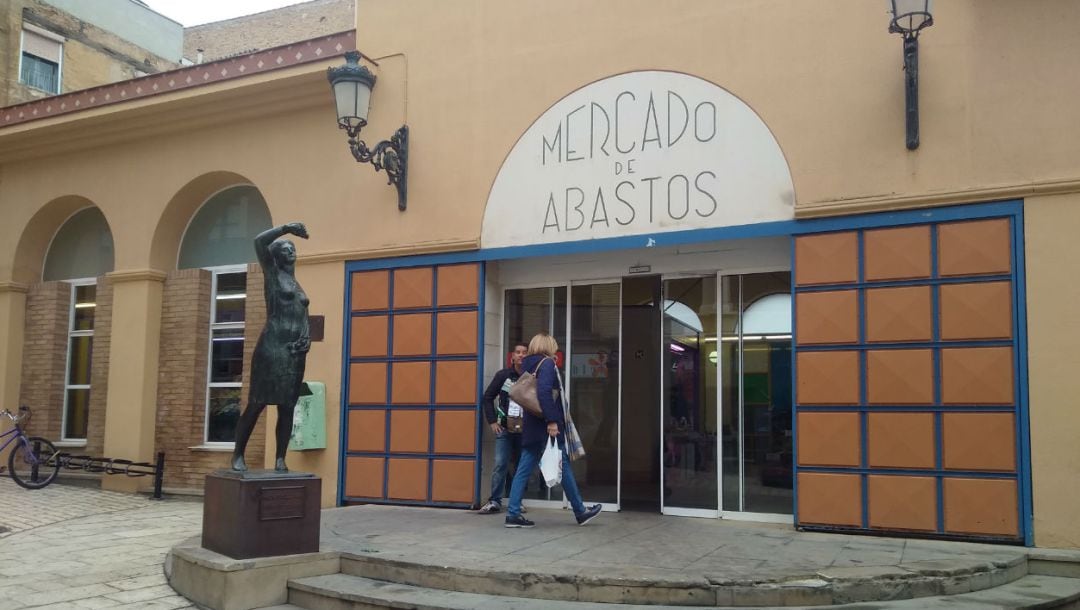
[{"x": 769, "y": 307}]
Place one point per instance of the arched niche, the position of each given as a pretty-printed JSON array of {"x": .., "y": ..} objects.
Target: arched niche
[
  {"x": 222, "y": 230},
  {"x": 44, "y": 228},
  {"x": 181, "y": 210},
  {"x": 82, "y": 248}
]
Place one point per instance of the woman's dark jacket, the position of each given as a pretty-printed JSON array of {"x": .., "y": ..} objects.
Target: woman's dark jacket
[{"x": 534, "y": 432}]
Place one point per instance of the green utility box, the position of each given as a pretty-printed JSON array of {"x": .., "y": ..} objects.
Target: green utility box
[{"x": 309, "y": 420}]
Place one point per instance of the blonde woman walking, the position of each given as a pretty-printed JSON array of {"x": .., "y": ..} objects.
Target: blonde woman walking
[{"x": 541, "y": 362}]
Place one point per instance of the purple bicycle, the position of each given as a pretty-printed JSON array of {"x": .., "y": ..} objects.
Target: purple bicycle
[{"x": 33, "y": 462}]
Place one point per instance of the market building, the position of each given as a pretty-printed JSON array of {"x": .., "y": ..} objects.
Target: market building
[{"x": 769, "y": 306}]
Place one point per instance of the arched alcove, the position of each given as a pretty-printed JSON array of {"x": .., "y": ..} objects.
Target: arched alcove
[
  {"x": 222, "y": 231},
  {"x": 181, "y": 210},
  {"x": 49, "y": 226},
  {"x": 82, "y": 248}
]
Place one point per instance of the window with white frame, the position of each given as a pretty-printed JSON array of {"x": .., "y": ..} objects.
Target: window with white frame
[
  {"x": 80, "y": 351},
  {"x": 226, "y": 371},
  {"x": 219, "y": 239},
  {"x": 41, "y": 59}
]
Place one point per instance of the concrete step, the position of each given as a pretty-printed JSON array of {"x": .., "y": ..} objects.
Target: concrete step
[
  {"x": 343, "y": 592},
  {"x": 1033, "y": 591},
  {"x": 917, "y": 579}
]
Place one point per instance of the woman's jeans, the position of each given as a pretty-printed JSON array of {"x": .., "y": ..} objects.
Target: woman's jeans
[
  {"x": 506, "y": 445},
  {"x": 530, "y": 458}
]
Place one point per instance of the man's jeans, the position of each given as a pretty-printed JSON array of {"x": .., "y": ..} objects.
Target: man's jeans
[
  {"x": 530, "y": 458},
  {"x": 506, "y": 445}
]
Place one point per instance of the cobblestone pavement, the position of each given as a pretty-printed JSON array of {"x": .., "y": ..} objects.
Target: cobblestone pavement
[{"x": 77, "y": 548}]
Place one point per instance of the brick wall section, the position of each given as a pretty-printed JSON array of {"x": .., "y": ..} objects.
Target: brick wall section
[
  {"x": 268, "y": 29},
  {"x": 185, "y": 315},
  {"x": 99, "y": 368},
  {"x": 181, "y": 416},
  {"x": 92, "y": 56},
  {"x": 45, "y": 356}
]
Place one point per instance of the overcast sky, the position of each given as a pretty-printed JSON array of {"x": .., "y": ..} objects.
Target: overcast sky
[{"x": 196, "y": 12}]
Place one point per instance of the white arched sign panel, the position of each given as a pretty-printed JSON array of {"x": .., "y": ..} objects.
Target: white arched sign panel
[{"x": 638, "y": 153}]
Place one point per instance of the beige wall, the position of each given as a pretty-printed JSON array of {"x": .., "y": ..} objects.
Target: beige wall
[
  {"x": 999, "y": 120},
  {"x": 997, "y": 86},
  {"x": 1053, "y": 332}
]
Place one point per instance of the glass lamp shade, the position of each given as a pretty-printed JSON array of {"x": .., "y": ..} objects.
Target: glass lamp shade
[
  {"x": 910, "y": 16},
  {"x": 352, "y": 84}
]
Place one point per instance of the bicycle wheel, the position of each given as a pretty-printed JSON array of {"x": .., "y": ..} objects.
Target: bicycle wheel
[{"x": 32, "y": 463}]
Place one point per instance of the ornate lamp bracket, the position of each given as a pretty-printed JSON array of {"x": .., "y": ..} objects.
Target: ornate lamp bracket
[{"x": 390, "y": 155}]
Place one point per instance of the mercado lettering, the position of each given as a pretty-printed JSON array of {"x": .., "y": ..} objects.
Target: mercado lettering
[{"x": 638, "y": 153}]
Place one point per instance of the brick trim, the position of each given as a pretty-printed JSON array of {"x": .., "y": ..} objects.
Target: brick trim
[{"x": 307, "y": 51}]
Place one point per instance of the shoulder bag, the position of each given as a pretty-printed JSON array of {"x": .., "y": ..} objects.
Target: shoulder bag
[{"x": 523, "y": 392}]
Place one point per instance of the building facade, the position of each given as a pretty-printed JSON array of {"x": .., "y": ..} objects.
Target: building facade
[
  {"x": 48, "y": 48},
  {"x": 768, "y": 307}
]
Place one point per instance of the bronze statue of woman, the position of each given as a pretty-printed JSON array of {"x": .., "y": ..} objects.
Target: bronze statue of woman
[{"x": 277, "y": 366}]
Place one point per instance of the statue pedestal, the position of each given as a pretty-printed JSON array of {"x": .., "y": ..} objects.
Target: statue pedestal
[{"x": 261, "y": 513}]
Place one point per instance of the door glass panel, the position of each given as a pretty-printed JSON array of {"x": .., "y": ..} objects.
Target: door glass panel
[
  {"x": 594, "y": 387},
  {"x": 689, "y": 390},
  {"x": 528, "y": 311},
  {"x": 727, "y": 347},
  {"x": 766, "y": 379}
]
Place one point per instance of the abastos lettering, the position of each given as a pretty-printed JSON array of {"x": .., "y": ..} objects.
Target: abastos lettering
[{"x": 620, "y": 128}]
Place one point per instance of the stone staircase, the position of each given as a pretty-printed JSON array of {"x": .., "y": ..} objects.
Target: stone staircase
[{"x": 1042, "y": 579}]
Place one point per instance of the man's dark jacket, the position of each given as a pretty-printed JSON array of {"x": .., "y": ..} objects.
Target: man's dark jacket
[{"x": 495, "y": 388}]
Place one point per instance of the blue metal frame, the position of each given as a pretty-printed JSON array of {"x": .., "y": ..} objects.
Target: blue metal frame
[
  {"x": 1020, "y": 353},
  {"x": 431, "y": 407},
  {"x": 1012, "y": 209},
  {"x": 1013, "y": 212}
]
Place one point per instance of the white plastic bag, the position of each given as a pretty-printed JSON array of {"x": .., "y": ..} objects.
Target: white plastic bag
[{"x": 551, "y": 463}]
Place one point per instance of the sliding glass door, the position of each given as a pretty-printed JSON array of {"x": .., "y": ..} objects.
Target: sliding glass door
[
  {"x": 712, "y": 428},
  {"x": 754, "y": 355},
  {"x": 688, "y": 421},
  {"x": 589, "y": 364},
  {"x": 594, "y": 387}
]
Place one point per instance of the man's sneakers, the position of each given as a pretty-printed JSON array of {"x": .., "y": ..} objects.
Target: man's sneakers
[
  {"x": 589, "y": 514},
  {"x": 490, "y": 508},
  {"x": 517, "y": 521}
]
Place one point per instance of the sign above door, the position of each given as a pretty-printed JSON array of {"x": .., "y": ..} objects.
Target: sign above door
[{"x": 635, "y": 154}]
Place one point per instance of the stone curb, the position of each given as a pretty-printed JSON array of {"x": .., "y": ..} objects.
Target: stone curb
[
  {"x": 824, "y": 587},
  {"x": 239, "y": 584}
]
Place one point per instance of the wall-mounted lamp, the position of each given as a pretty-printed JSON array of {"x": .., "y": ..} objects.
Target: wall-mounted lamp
[
  {"x": 352, "y": 85},
  {"x": 908, "y": 18}
]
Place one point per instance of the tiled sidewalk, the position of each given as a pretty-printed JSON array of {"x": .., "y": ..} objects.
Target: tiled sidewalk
[{"x": 73, "y": 547}]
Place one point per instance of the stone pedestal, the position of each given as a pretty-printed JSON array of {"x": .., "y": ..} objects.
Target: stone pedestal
[{"x": 261, "y": 513}]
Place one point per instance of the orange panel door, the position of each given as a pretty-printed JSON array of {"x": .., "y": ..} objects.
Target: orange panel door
[{"x": 413, "y": 362}]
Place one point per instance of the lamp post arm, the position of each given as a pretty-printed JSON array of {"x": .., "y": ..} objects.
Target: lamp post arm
[
  {"x": 390, "y": 155},
  {"x": 911, "y": 89}
]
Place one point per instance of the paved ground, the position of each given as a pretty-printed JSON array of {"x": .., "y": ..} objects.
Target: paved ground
[
  {"x": 73, "y": 547},
  {"x": 635, "y": 544}
]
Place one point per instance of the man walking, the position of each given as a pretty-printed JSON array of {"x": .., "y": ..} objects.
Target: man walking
[{"x": 507, "y": 443}]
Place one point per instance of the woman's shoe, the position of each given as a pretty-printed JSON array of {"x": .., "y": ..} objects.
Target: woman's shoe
[
  {"x": 589, "y": 514},
  {"x": 517, "y": 521}
]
